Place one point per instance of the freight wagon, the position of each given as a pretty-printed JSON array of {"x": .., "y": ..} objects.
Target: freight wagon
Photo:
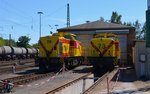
[{"x": 11, "y": 53}]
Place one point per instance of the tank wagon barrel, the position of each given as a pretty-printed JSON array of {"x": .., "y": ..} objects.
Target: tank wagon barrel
[
  {"x": 6, "y": 52},
  {"x": 16, "y": 52},
  {"x": 9, "y": 52}
]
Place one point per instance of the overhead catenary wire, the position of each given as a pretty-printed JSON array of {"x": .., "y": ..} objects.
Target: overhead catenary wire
[
  {"x": 21, "y": 13},
  {"x": 31, "y": 23},
  {"x": 45, "y": 16},
  {"x": 15, "y": 10}
]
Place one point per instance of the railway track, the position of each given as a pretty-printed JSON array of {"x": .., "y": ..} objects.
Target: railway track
[
  {"x": 67, "y": 84},
  {"x": 80, "y": 85},
  {"x": 20, "y": 80},
  {"x": 18, "y": 68},
  {"x": 100, "y": 80},
  {"x": 7, "y": 68},
  {"x": 96, "y": 83},
  {"x": 12, "y": 62},
  {"x": 28, "y": 82}
]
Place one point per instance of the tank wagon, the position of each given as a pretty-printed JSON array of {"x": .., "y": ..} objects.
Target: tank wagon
[
  {"x": 58, "y": 49},
  {"x": 105, "y": 52},
  {"x": 11, "y": 53}
]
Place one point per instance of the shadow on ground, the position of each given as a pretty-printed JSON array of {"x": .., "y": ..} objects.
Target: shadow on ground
[
  {"x": 125, "y": 75},
  {"x": 29, "y": 71},
  {"x": 140, "y": 91},
  {"x": 129, "y": 75},
  {"x": 83, "y": 70}
]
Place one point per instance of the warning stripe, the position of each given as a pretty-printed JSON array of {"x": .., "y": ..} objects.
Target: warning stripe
[
  {"x": 117, "y": 45},
  {"x": 53, "y": 47},
  {"x": 95, "y": 48},
  {"x": 105, "y": 50},
  {"x": 46, "y": 51},
  {"x": 51, "y": 50},
  {"x": 116, "y": 48}
]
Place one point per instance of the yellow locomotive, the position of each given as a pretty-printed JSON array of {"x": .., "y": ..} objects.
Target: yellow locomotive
[
  {"x": 58, "y": 49},
  {"x": 105, "y": 52}
]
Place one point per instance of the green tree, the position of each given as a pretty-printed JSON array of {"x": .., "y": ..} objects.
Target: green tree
[
  {"x": 35, "y": 45},
  {"x": 2, "y": 42},
  {"x": 23, "y": 41},
  {"x": 140, "y": 30},
  {"x": 127, "y": 23},
  {"x": 143, "y": 32},
  {"x": 115, "y": 18},
  {"x": 10, "y": 42},
  {"x": 137, "y": 26},
  {"x": 102, "y": 19}
]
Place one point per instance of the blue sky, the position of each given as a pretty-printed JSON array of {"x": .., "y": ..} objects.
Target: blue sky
[{"x": 19, "y": 17}]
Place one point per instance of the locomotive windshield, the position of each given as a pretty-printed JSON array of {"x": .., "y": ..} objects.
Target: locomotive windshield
[
  {"x": 70, "y": 37},
  {"x": 75, "y": 37},
  {"x": 112, "y": 37},
  {"x": 99, "y": 37},
  {"x": 67, "y": 37}
]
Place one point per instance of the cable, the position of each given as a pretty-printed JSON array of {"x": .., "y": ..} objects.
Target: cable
[
  {"x": 15, "y": 23},
  {"x": 18, "y": 11},
  {"x": 60, "y": 8},
  {"x": 13, "y": 10},
  {"x": 47, "y": 16}
]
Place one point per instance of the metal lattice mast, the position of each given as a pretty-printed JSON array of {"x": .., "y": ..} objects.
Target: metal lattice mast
[
  {"x": 68, "y": 16},
  {"x": 148, "y": 24}
]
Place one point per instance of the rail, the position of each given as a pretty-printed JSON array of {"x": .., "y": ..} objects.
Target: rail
[
  {"x": 98, "y": 82},
  {"x": 20, "y": 80},
  {"x": 67, "y": 84},
  {"x": 12, "y": 62},
  {"x": 8, "y": 67}
]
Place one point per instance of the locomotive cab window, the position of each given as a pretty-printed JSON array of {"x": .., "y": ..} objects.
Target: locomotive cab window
[
  {"x": 67, "y": 37},
  {"x": 99, "y": 37},
  {"x": 71, "y": 37},
  {"x": 75, "y": 37},
  {"x": 112, "y": 37}
]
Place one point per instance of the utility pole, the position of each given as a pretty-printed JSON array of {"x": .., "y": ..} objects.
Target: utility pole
[
  {"x": 9, "y": 39},
  {"x": 68, "y": 16},
  {"x": 40, "y": 22},
  {"x": 148, "y": 4}
]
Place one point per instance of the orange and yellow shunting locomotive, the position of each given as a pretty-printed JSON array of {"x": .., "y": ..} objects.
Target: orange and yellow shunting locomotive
[
  {"x": 58, "y": 49},
  {"x": 105, "y": 52}
]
